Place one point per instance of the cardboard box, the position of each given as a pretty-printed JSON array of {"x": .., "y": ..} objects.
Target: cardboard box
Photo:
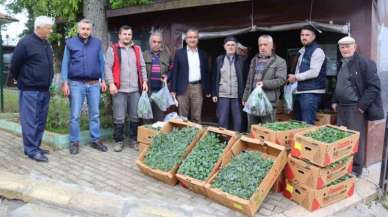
[
  {"x": 145, "y": 134},
  {"x": 324, "y": 118},
  {"x": 322, "y": 153},
  {"x": 280, "y": 183},
  {"x": 267, "y": 149},
  {"x": 284, "y": 138},
  {"x": 142, "y": 147},
  {"x": 196, "y": 185},
  {"x": 284, "y": 117},
  {"x": 313, "y": 199},
  {"x": 315, "y": 177},
  {"x": 169, "y": 177}
]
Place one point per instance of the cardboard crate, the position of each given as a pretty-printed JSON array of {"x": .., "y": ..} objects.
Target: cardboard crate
[
  {"x": 142, "y": 147},
  {"x": 315, "y": 177},
  {"x": 198, "y": 186},
  {"x": 313, "y": 199},
  {"x": 284, "y": 117},
  {"x": 170, "y": 176},
  {"x": 322, "y": 153},
  {"x": 267, "y": 149},
  {"x": 324, "y": 118},
  {"x": 145, "y": 134},
  {"x": 284, "y": 138},
  {"x": 280, "y": 183}
]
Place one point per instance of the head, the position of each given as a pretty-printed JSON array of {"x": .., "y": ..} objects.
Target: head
[
  {"x": 156, "y": 41},
  {"x": 85, "y": 28},
  {"x": 265, "y": 45},
  {"x": 347, "y": 46},
  {"x": 43, "y": 26},
  {"x": 125, "y": 35},
  {"x": 307, "y": 35},
  {"x": 230, "y": 45},
  {"x": 192, "y": 38},
  {"x": 242, "y": 50}
]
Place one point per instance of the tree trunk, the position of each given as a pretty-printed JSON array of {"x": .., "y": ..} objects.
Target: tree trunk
[{"x": 94, "y": 10}]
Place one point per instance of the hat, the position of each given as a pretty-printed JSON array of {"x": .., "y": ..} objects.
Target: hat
[
  {"x": 310, "y": 28},
  {"x": 347, "y": 40},
  {"x": 230, "y": 38}
]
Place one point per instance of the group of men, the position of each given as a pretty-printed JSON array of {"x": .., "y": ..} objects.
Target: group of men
[{"x": 126, "y": 72}]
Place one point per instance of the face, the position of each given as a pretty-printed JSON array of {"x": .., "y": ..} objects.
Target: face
[
  {"x": 125, "y": 36},
  {"x": 265, "y": 47},
  {"x": 156, "y": 43},
  {"x": 44, "y": 31},
  {"x": 192, "y": 39},
  {"x": 85, "y": 30},
  {"x": 307, "y": 36},
  {"x": 347, "y": 50},
  {"x": 230, "y": 47}
]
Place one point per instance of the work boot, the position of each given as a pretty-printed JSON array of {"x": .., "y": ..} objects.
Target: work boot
[
  {"x": 118, "y": 132},
  {"x": 133, "y": 144},
  {"x": 119, "y": 146},
  {"x": 99, "y": 146},
  {"x": 74, "y": 148},
  {"x": 133, "y": 135}
]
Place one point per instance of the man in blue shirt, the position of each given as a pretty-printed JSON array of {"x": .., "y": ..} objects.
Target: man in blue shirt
[{"x": 83, "y": 76}]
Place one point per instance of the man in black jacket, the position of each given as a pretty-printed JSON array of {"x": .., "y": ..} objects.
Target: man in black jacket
[
  {"x": 357, "y": 97},
  {"x": 32, "y": 67}
]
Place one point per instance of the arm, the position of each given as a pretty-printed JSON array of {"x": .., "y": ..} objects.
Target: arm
[
  {"x": 143, "y": 67},
  {"x": 65, "y": 65},
  {"x": 174, "y": 73},
  {"x": 214, "y": 78},
  {"x": 317, "y": 59},
  {"x": 248, "y": 85},
  {"x": 372, "y": 86},
  {"x": 101, "y": 60},
  {"x": 18, "y": 59},
  {"x": 109, "y": 59},
  {"x": 279, "y": 77}
]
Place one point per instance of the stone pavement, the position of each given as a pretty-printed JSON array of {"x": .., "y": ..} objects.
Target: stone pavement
[{"x": 117, "y": 173}]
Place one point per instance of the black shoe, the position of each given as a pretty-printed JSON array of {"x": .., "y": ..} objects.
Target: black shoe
[
  {"x": 44, "y": 151},
  {"x": 99, "y": 146},
  {"x": 39, "y": 157},
  {"x": 74, "y": 148}
]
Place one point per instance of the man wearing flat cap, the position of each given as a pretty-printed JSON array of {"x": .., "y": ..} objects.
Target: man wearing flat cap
[
  {"x": 228, "y": 85},
  {"x": 357, "y": 96}
]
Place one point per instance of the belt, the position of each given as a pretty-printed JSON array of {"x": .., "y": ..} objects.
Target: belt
[
  {"x": 195, "y": 82},
  {"x": 86, "y": 81}
]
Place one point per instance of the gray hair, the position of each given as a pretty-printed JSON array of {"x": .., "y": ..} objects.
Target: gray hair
[
  {"x": 192, "y": 30},
  {"x": 156, "y": 33},
  {"x": 87, "y": 21},
  {"x": 268, "y": 37},
  {"x": 43, "y": 20}
]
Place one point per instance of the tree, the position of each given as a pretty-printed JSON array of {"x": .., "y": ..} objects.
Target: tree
[{"x": 94, "y": 10}]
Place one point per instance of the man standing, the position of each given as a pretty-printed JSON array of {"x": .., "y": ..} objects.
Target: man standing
[
  {"x": 269, "y": 71},
  {"x": 127, "y": 77},
  {"x": 357, "y": 96},
  {"x": 158, "y": 64},
  {"x": 310, "y": 73},
  {"x": 83, "y": 76},
  {"x": 228, "y": 86},
  {"x": 32, "y": 67},
  {"x": 190, "y": 77}
]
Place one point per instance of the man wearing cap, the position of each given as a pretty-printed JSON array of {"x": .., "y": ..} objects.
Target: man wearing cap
[
  {"x": 228, "y": 85},
  {"x": 357, "y": 96},
  {"x": 310, "y": 73}
]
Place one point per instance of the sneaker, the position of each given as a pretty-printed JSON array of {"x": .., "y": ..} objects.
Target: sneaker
[
  {"x": 99, "y": 146},
  {"x": 119, "y": 146},
  {"x": 74, "y": 148}
]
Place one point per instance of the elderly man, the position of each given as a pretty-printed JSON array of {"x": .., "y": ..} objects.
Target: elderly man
[
  {"x": 268, "y": 71},
  {"x": 158, "y": 63},
  {"x": 228, "y": 85},
  {"x": 83, "y": 77},
  {"x": 32, "y": 67},
  {"x": 310, "y": 73},
  {"x": 127, "y": 78},
  {"x": 357, "y": 95}
]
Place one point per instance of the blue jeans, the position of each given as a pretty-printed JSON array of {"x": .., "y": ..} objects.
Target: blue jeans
[
  {"x": 226, "y": 108},
  {"x": 78, "y": 92},
  {"x": 33, "y": 109},
  {"x": 306, "y": 106}
]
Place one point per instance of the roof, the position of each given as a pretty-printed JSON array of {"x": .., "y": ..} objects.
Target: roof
[
  {"x": 6, "y": 19},
  {"x": 165, "y": 5}
]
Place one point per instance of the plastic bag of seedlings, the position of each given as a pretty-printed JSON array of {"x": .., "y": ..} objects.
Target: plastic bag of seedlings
[
  {"x": 258, "y": 103},
  {"x": 288, "y": 98},
  {"x": 163, "y": 98},
  {"x": 144, "y": 109}
]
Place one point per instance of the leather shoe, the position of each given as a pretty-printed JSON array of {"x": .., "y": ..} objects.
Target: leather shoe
[
  {"x": 74, "y": 148},
  {"x": 99, "y": 146},
  {"x": 44, "y": 151},
  {"x": 39, "y": 157}
]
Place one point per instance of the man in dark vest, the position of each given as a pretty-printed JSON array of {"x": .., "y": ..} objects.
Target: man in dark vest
[
  {"x": 83, "y": 77},
  {"x": 310, "y": 73},
  {"x": 357, "y": 96},
  {"x": 126, "y": 75}
]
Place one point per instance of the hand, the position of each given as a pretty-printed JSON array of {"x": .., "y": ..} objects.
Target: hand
[
  {"x": 361, "y": 111},
  {"x": 259, "y": 84},
  {"x": 112, "y": 89},
  {"x": 103, "y": 86},
  {"x": 173, "y": 94},
  {"x": 215, "y": 99},
  {"x": 145, "y": 86},
  {"x": 334, "y": 107},
  {"x": 164, "y": 78},
  {"x": 291, "y": 78},
  {"x": 208, "y": 95},
  {"x": 243, "y": 103},
  {"x": 65, "y": 89}
]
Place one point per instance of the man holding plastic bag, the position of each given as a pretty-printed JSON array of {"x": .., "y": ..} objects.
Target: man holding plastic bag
[
  {"x": 127, "y": 77},
  {"x": 267, "y": 74}
]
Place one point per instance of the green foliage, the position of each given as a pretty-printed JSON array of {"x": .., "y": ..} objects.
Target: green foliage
[
  {"x": 114, "y": 4},
  {"x": 201, "y": 160},
  {"x": 243, "y": 174},
  {"x": 338, "y": 163},
  {"x": 166, "y": 150},
  {"x": 283, "y": 126},
  {"x": 337, "y": 181},
  {"x": 328, "y": 134},
  {"x": 11, "y": 101}
]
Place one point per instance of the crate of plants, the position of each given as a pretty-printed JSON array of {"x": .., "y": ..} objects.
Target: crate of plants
[
  {"x": 303, "y": 172},
  {"x": 313, "y": 199},
  {"x": 205, "y": 158},
  {"x": 168, "y": 149},
  {"x": 325, "y": 144},
  {"x": 247, "y": 173},
  {"x": 146, "y": 132},
  {"x": 281, "y": 133}
]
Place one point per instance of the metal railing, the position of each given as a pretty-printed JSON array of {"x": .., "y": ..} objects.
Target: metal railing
[{"x": 384, "y": 163}]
